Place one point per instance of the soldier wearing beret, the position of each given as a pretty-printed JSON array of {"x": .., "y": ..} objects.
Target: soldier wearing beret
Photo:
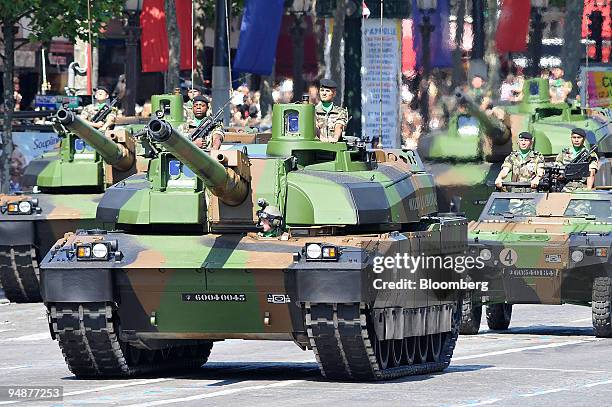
[
  {"x": 212, "y": 140},
  {"x": 101, "y": 96},
  {"x": 566, "y": 156},
  {"x": 330, "y": 119},
  {"x": 525, "y": 164}
]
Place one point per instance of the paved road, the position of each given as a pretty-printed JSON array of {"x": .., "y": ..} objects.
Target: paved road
[{"x": 548, "y": 357}]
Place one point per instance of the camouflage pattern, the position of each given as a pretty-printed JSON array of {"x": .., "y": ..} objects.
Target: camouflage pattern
[
  {"x": 91, "y": 110},
  {"x": 566, "y": 156},
  {"x": 524, "y": 169},
  {"x": 464, "y": 157},
  {"x": 190, "y": 125},
  {"x": 545, "y": 248},
  {"x": 182, "y": 288},
  {"x": 326, "y": 121}
]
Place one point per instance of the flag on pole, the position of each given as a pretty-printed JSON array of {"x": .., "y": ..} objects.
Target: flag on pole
[
  {"x": 366, "y": 11},
  {"x": 259, "y": 36},
  {"x": 440, "y": 43},
  {"x": 513, "y": 26}
]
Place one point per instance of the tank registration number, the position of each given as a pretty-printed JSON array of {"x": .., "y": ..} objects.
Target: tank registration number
[
  {"x": 531, "y": 273},
  {"x": 214, "y": 297}
]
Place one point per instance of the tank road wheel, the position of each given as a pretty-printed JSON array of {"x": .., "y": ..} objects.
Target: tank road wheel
[
  {"x": 422, "y": 348},
  {"x": 89, "y": 340},
  {"x": 346, "y": 346},
  {"x": 601, "y": 307},
  {"x": 498, "y": 316},
  {"x": 409, "y": 344},
  {"x": 471, "y": 314},
  {"x": 19, "y": 273},
  {"x": 435, "y": 346},
  {"x": 397, "y": 349}
]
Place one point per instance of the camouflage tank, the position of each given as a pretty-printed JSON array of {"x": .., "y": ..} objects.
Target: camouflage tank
[
  {"x": 542, "y": 248},
  {"x": 155, "y": 299},
  {"x": 69, "y": 185},
  {"x": 466, "y": 158}
]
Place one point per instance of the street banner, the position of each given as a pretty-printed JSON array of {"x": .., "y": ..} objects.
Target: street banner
[
  {"x": 154, "y": 37},
  {"x": 440, "y": 42},
  {"x": 513, "y": 26},
  {"x": 596, "y": 89},
  {"x": 381, "y": 54},
  {"x": 259, "y": 31},
  {"x": 28, "y": 146}
]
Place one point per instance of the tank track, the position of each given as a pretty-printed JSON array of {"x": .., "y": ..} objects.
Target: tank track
[
  {"x": 19, "y": 273},
  {"x": 342, "y": 343},
  {"x": 89, "y": 340}
]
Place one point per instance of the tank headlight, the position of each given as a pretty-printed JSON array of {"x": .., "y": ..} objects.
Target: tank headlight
[
  {"x": 25, "y": 207},
  {"x": 313, "y": 251},
  {"x": 577, "y": 256},
  {"x": 100, "y": 251},
  {"x": 601, "y": 252},
  {"x": 485, "y": 254},
  {"x": 322, "y": 252}
]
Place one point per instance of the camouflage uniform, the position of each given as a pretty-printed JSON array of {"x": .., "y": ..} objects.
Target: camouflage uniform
[
  {"x": 90, "y": 111},
  {"x": 524, "y": 170},
  {"x": 190, "y": 125},
  {"x": 326, "y": 122},
  {"x": 566, "y": 156}
]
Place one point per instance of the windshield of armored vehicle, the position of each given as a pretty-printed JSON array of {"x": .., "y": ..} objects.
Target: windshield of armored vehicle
[
  {"x": 513, "y": 206},
  {"x": 467, "y": 126},
  {"x": 601, "y": 210}
]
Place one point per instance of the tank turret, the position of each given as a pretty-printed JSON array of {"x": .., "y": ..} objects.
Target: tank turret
[
  {"x": 117, "y": 149},
  {"x": 230, "y": 185}
]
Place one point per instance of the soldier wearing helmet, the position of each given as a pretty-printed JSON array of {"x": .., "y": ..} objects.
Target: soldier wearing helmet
[
  {"x": 566, "y": 156},
  {"x": 270, "y": 220}
]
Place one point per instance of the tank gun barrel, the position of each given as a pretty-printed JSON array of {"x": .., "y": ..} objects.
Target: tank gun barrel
[
  {"x": 222, "y": 182},
  {"x": 115, "y": 154},
  {"x": 495, "y": 129}
]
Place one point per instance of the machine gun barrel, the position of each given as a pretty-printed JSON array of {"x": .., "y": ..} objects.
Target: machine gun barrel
[
  {"x": 222, "y": 182},
  {"x": 495, "y": 129},
  {"x": 112, "y": 153}
]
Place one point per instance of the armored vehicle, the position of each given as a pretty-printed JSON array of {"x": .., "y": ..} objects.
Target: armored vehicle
[
  {"x": 69, "y": 185},
  {"x": 466, "y": 158},
  {"x": 542, "y": 248},
  {"x": 157, "y": 297}
]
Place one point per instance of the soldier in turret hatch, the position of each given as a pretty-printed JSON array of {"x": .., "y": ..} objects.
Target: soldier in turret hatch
[
  {"x": 271, "y": 221},
  {"x": 330, "y": 119},
  {"x": 210, "y": 141},
  {"x": 101, "y": 99},
  {"x": 566, "y": 156},
  {"x": 525, "y": 164}
]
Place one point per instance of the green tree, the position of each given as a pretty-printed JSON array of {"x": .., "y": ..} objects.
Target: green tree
[{"x": 47, "y": 19}]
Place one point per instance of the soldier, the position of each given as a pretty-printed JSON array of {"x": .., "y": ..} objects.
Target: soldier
[
  {"x": 212, "y": 140},
  {"x": 188, "y": 106},
  {"x": 525, "y": 164},
  {"x": 566, "y": 156},
  {"x": 271, "y": 221},
  {"x": 331, "y": 119},
  {"x": 89, "y": 112}
]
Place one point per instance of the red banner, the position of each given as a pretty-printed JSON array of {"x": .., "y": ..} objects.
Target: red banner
[
  {"x": 513, "y": 26},
  {"x": 154, "y": 37}
]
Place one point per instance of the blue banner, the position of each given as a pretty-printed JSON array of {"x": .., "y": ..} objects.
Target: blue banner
[
  {"x": 258, "y": 36},
  {"x": 439, "y": 42}
]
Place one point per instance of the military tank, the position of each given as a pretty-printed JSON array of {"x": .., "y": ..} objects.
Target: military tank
[
  {"x": 69, "y": 185},
  {"x": 466, "y": 158},
  {"x": 542, "y": 248},
  {"x": 155, "y": 299}
]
